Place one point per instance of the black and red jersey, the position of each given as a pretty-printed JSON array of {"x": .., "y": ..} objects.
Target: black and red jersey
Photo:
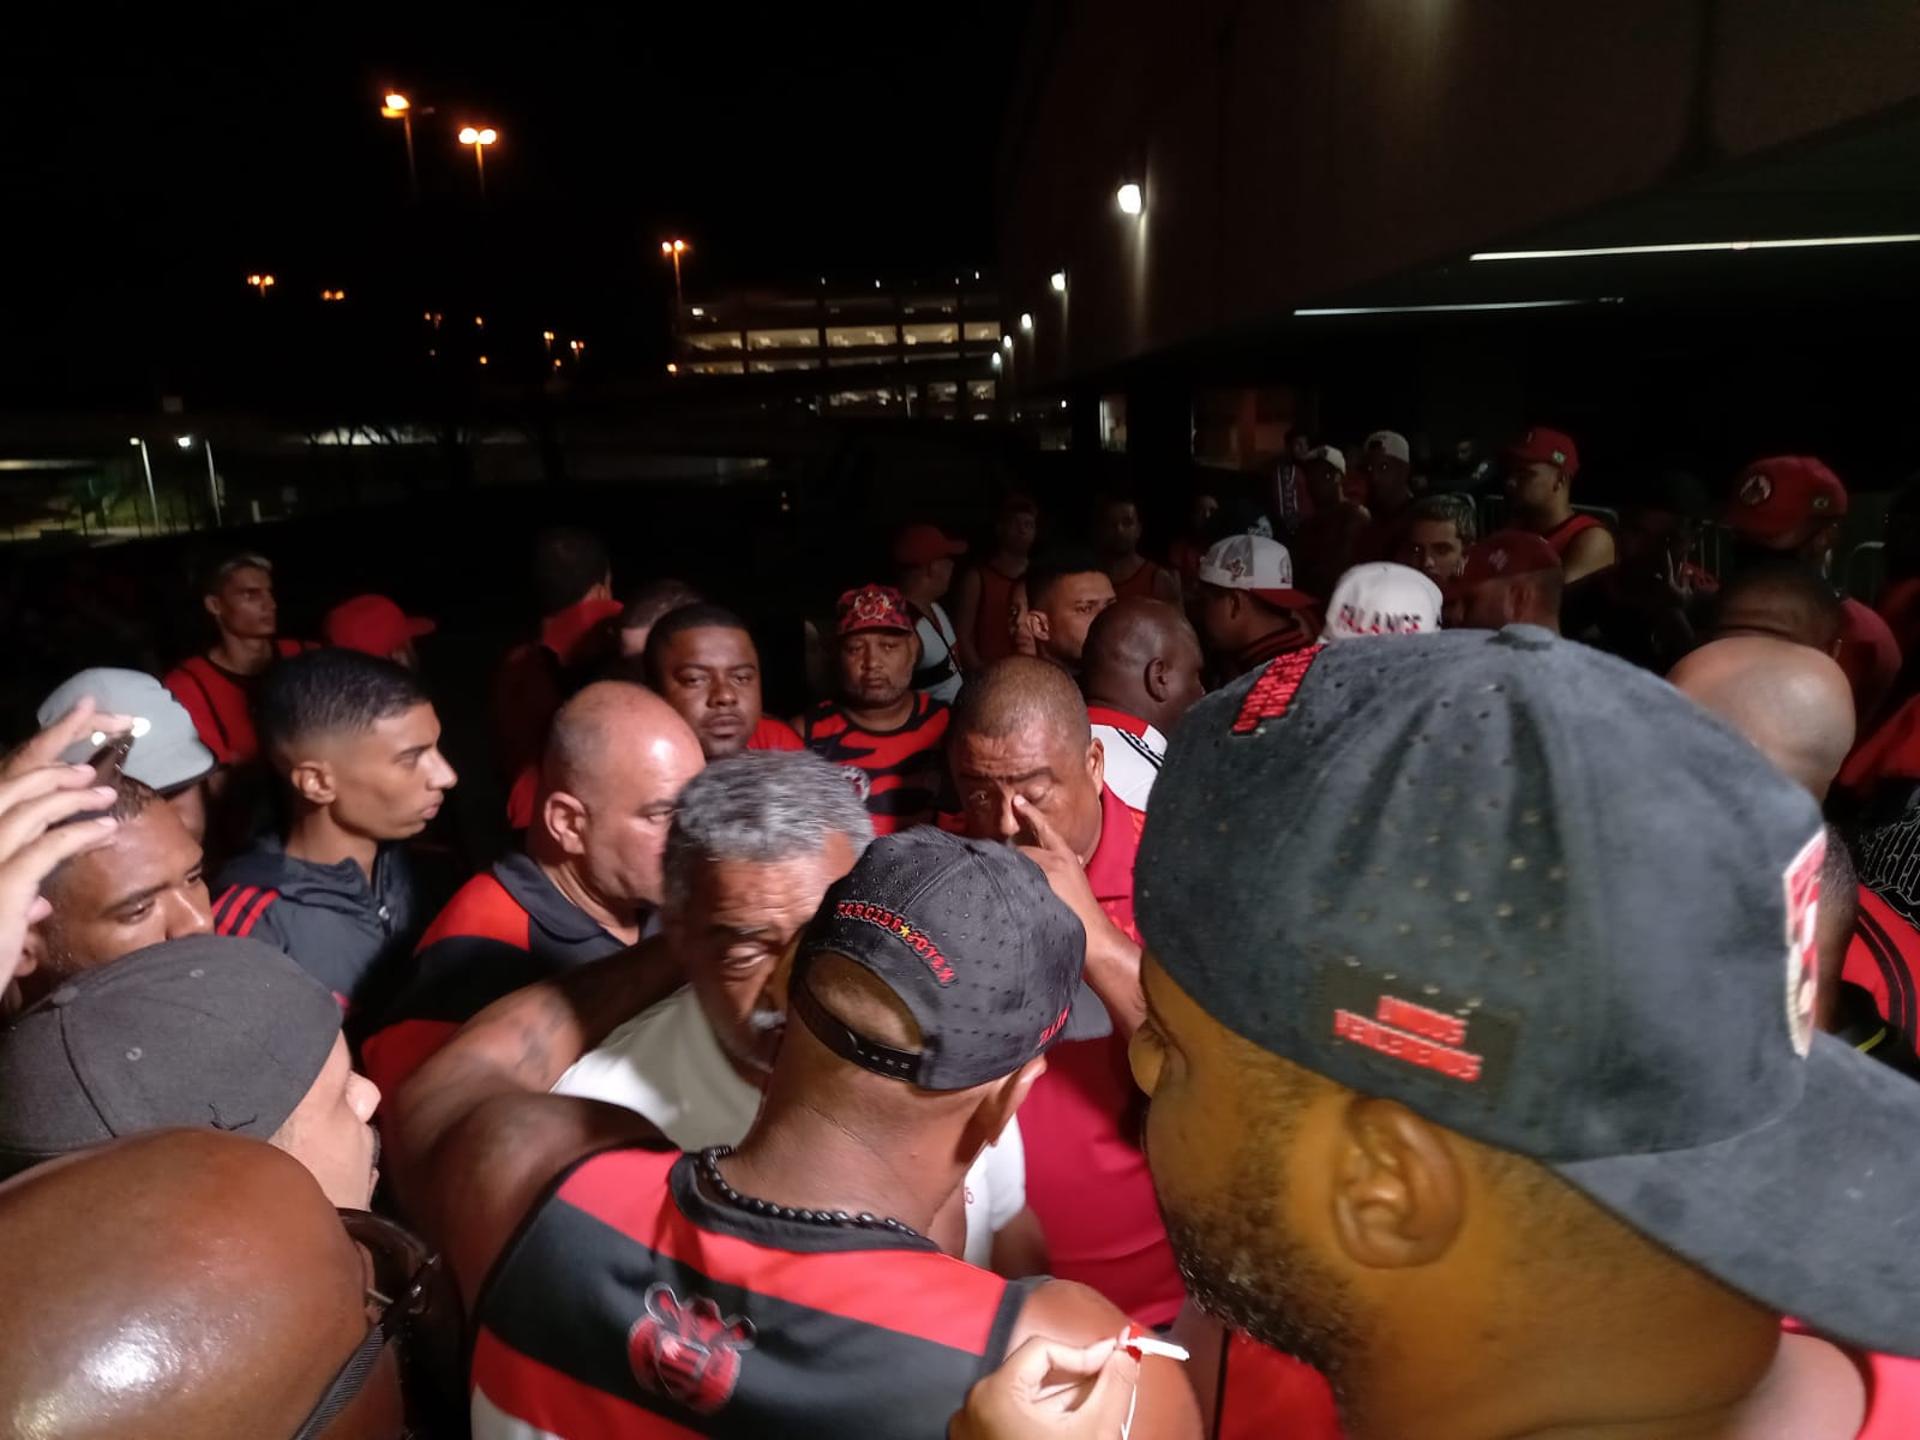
[
  {"x": 906, "y": 767},
  {"x": 221, "y": 702},
  {"x": 635, "y": 1303},
  {"x": 1562, "y": 536},
  {"x": 506, "y": 928}
]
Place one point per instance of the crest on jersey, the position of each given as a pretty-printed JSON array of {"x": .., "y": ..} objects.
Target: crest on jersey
[
  {"x": 1803, "y": 949},
  {"x": 1756, "y": 489},
  {"x": 686, "y": 1350}
]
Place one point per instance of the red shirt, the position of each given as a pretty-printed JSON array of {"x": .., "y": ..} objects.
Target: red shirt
[
  {"x": 1899, "y": 606},
  {"x": 993, "y": 626},
  {"x": 533, "y": 681},
  {"x": 1870, "y": 656},
  {"x": 1562, "y": 535},
  {"x": 221, "y": 703},
  {"x": 772, "y": 734},
  {"x": 1140, "y": 583},
  {"x": 1087, "y": 1179}
]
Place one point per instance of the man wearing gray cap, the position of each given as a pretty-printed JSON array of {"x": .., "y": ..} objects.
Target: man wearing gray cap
[
  {"x": 1431, "y": 1106},
  {"x": 208, "y": 1031},
  {"x": 169, "y": 757}
]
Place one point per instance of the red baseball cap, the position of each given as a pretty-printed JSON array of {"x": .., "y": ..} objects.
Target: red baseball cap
[
  {"x": 1547, "y": 447},
  {"x": 924, "y": 544},
  {"x": 1777, "y": 496},
  {"x": 373, "y": 625},
  {"x": 873, "y": 607},
  {"x": 1505, "y": 554}
]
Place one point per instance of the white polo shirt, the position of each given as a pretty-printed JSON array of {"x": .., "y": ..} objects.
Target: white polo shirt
[
  {"x": 1135, "y": 752},
  {"x": 667, "y": 1064}
]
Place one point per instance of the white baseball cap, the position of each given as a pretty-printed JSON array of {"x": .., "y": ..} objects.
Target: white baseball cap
[
  {"x": 1382, "y": 599},
  {"x": 166, "y": 753},
  {"x": 1393, "y": 443},
  {"x": 1332, "y": 455},
  {"x": 1254, "y": 563}
]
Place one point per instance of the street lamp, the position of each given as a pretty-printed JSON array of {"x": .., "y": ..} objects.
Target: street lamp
[
  {"x": 398, "y": 107},
  {"x": 333, "y": 295},
  {"x": 185, "y": 442},
  {"x": 1026, "y": 322},
  {"x": 261, "y": 282},
  {"x": 479, "y": 140},
  {"x": 1129, "y": 198},
  {"x": 146, "y": 463},
  {"x": 1058, "y": 280},
  {"x": 673, "y": 250}
]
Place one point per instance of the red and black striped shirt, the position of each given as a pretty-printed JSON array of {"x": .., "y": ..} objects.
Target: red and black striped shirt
[
  {"x": 906, "y": 767},
  {"x": 634, "y": 1303}
]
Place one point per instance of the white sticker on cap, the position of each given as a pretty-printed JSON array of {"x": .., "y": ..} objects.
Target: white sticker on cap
[{"x": 1802, "y": 882}]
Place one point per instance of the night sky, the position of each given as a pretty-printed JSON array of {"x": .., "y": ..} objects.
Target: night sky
[{"x": 154, "y": 155}]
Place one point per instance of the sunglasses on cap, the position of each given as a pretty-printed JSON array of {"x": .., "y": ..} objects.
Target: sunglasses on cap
[{"x": 412, "y": 1304}]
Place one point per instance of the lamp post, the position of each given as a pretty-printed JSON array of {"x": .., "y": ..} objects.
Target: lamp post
[
  {"x": 398, "y": 107},
  {"x": 261, "y": 282},
  {"x": 185, "y": 442},
  {"x": 146, "y": 464},
  {"x": 479, "y": 140},
  {"x": 673, "y": 250}
]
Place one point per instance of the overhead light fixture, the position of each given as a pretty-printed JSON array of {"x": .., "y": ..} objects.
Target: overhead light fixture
[
  {"x": 1058, "y": 280},
  {"x": 1696, "y": 247},
  {"x": 996, "y": 359},
  {"x": 1006, "y": 342},
  {"x": 185, "y": 442},
  {"x": 699, "y": 313},
  {"x": 1450, "y": 309},
  {"x": 1026, "y": 322},
  {"x": 1129, "y": 198}
]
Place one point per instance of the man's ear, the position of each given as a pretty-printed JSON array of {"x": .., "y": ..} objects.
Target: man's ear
[
  {"x": 313, "y": 781},
  {"x": 565, "y": 819},
  {"x": 1097, "y": 763},
  {"x": 1157, "y": 680},
  {"x": 1000, "y": 1104},
  {"x": 1399, "y": 1197},
  {"x": 1038, "y": 625},
  {"x": 211, "y": 604}
]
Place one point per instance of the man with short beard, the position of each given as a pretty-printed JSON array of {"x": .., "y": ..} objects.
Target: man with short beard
[
  {"x": 879, "y": 723},
  {"x": 1433, "y": 1114}
]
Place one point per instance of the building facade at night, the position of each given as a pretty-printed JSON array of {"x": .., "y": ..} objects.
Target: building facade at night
[{"x": 920, "y": 350}]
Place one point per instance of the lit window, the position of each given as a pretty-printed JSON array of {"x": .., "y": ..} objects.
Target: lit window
[
  {"x": 980, "y": 389},
  {"x": 714, "y": 340},
  {"x": 934, "y": 334},
  {"x": 717, "y": 367},
  {"x": 983, "y": 329},
  {"x": 1113, "y": 422},
  {"x": 807, "y": 339},
  {"x": 845, "y": 336},
  {"x": 947, "y": 390},
  {"x": 768, "y": 367}
]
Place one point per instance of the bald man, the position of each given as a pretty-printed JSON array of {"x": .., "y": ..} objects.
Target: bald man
[
  {"x": 185, "y": 1283},
  {"x": 1791, "y": 701},
  {"x": 1030, "y": 773},
  {"x": 588, "y": 884},
  {"x": 1140, "y": 673}
]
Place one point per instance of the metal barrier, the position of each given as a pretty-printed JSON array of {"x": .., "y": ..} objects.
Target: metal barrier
[{"x": 1864, "y": 571}]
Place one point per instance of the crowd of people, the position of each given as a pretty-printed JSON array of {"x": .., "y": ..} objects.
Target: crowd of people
[{"x": 1355, "y": 971}]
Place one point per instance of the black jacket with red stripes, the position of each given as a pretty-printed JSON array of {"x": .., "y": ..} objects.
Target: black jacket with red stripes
[
  {"x": 507, "y": 927},
  {"x": 344, "y": 930}
]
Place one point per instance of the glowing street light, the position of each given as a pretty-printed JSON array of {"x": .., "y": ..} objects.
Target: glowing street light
[
  {"x": 673, "y": 368},
  {"x": 673, "y": 250},
  {"x": 333, "y": 295},
  {"x": 479, "y": 140},
  {"x": 262, "y": 283},
  {"x": 1058, "y": 280},
  {"x": 398, "y": 107},
  {"x": 1026, "y": 322},
  {"x": 576, "y": 346},
  {"x": 146, "y": 464},
  {"x": 1129, "y": 198},
  {"x": 185, "y": 442}
]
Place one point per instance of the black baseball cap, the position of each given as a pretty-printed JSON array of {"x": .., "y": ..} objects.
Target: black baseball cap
[
  {"x": 1545, "y": 900},
  {"x": 975, "y": 944},
  {"x": 205, "y": 1031}
]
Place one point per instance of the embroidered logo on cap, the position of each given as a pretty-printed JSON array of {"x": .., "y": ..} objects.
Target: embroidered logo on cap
[
  {"x": 686, "y": 1350},
  {"x": 1447, "y": 1036},
  {"x": 903, "y": 929},
  {"x": 1272, "y": 694},
  {"x": 1802, "y": 881},
  {"x": 1756, "y": 489}
]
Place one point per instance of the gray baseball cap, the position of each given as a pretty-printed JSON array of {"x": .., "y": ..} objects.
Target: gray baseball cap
[
  {"x": 209, "y": 1030},
  {"x": 1545, "y": 900},
  {"x": 167, "y": 753}
]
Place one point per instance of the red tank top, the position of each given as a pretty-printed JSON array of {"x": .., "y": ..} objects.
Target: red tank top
[
  {"x": 1140, "y": 583},
  {"x": 993, "y": 626},
  {"x": 221, "y": 703},
  {"x": 1561, "y": 536},
  {"x": 637, "y": 1304}
]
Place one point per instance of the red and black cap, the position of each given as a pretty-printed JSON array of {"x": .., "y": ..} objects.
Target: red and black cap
[
  {"x": 1499, "y": 878},
  {"x": 972, "y": 940}
]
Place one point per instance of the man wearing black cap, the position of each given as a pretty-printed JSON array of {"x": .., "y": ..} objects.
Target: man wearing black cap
[
  {"x": 790, "y": 1286},
  {"x": 207, "y": 1031},
  {"x": 1429, "y": 1103}
]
